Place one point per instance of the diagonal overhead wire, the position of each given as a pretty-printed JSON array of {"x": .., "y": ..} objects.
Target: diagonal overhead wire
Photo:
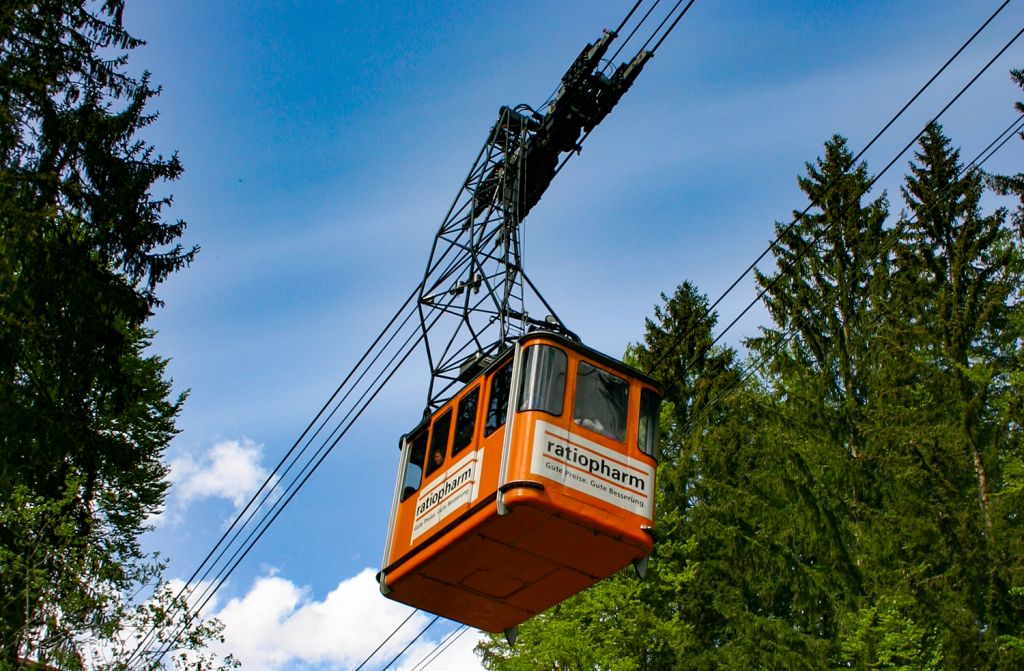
[
  {"x": 409, "y": 644},
  {"x": 440, "y": 648},
  {"x": 828, "y": 187},
  {"x": 385, "y": 641},
  {"x": 757, "y": 365},
  {"x": 760, "y": 295}
]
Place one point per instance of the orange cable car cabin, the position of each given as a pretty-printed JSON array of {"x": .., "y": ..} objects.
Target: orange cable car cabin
[{"x": 535, "y": 481}]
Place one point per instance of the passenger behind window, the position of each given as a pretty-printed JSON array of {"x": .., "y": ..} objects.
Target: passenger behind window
[
  {"x": 414, "y": 469},
  {"x": 439, "y": 441},
  {"x": 601, "y": 402}
]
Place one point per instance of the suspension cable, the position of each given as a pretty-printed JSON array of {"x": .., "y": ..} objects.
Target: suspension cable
[
  {"x": 643, "y": 19},
  {"x": 891, "y": 163},
  {"x": 748, "y": 371},
  {"x": 300, "y": 480},
  {"x": 385, "y": 641},
  {"x": 829, "y": 186},
  {"x": 409, "y": 644},
  {"x": 670, "y": 28},
  {"x": 440, "y": 648}
]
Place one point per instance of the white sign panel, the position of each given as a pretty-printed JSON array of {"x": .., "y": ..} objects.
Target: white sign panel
[
  {"x": 457, "y": 486},
  {"x": 592, "y": 469}
]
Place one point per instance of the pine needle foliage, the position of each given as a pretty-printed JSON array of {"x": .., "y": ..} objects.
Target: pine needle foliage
[
  {"x": 86, "y": 413},
  {"x": 857, "y": 504}
]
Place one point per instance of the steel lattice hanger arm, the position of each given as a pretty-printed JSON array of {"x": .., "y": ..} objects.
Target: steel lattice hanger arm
[{"x": 475, "y": 297}]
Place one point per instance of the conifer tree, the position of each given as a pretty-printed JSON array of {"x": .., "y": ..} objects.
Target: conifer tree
[
  {"x": 952, "y": 349},
  {"x": 86, "y": 412},
  {"x": 1008, "y": 492},
  {"x": 858, "y": 505},
  {"x": 622, "y": 623},
  {"x": 822, "y": 300},
  {"x": 830, "y": 262}
]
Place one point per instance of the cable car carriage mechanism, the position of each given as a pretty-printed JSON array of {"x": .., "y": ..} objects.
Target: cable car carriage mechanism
[{"x": 532, "y": 474}]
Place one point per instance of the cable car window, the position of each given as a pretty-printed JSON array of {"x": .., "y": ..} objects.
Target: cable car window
[
  {"x": 497, "y": 400},
  {"x": 465, "y": 421},
  {"x": 439, "y": 441},
  {"x": 647, "y": 433},
  {"x": 601, "y": 403},
  {"x": 543, "y": 383},
  {"x": 414, "y": 467}
]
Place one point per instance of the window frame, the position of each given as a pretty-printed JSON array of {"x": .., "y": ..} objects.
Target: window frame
[
  {"x": 408, "y": 490},
  {"x": 498, "y": 414},
  {"x": 580, "y": 421},
  {"x": 438, "y": 442},
  {"x": 460, "y": 415},
  {"x": 530, "y": 379},
  {"x": 648, "y": 420}
]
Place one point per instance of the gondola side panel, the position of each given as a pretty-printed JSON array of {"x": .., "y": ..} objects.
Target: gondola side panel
[
  {"x": 606, "y": 478},
  {"x": 433, "y": 516}
]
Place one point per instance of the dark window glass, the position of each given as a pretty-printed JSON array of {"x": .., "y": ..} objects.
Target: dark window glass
[
  {"x": 414, "y": 467},
  {"x": 497, "y": 400},
  {"x": 647, "y": 433},
  {"x": 439, "y": 441},
  {"x": 543, "y": 383},
  {"x": 465, "y": 421},
  {"x": 601, "y": 403}
]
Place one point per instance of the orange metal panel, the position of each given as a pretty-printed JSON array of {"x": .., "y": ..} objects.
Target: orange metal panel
[{"x": 578, "y": 506}]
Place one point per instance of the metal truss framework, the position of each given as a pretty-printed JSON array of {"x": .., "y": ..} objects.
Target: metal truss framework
[{"x": 475, "y": 298}]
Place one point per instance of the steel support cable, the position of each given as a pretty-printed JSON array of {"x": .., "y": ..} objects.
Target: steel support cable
[
  {"x": 629, "y": 15},
  {"x": 891, "y": 163},
  {"x": 322, "y": 425},
  {"x": 747, "y": 372},
  {"x": 189, "y": 589},
  {"x": 440, "y": 648},
  {"x": 670, "y": 28},
  {"x": 248, "y": 511},
  {"x": 269, "y": 519},
  {"x": 667, "y": 32},
  {"x": 643, "y": 19},
  {"x": 385, "y": 641},
  {"x": 343, "y": 422},
  {"x": 271, "y": 515},
  {"x": 829, "y": 186},
  {"x": 311, "y": 467},
  {"x": 409, "y": 644},
  {"x": 316, "y": 418}
]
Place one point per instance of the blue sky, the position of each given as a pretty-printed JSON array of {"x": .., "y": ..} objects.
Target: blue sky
[{"x": 324, "y": 141}]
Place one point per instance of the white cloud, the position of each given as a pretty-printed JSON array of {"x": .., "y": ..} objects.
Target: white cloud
[
  {"x": 278, "y": 625},
  {"x": 230, "y": 470}
]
